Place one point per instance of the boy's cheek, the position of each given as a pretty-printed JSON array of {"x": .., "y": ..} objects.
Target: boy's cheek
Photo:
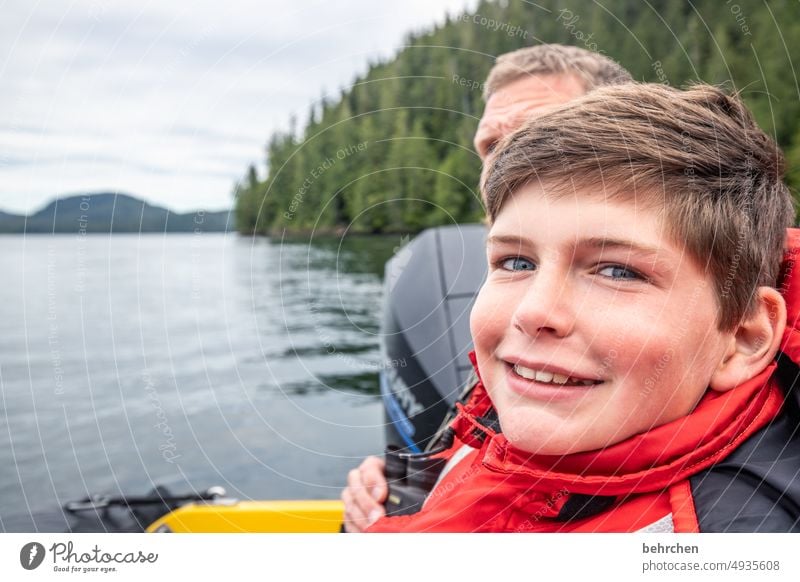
[
  {"x": 484, "y": 320},
  {"x": 486, "y": 339}
]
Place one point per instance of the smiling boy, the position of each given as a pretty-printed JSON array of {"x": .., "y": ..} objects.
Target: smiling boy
[{"x": 627, "y": 332}]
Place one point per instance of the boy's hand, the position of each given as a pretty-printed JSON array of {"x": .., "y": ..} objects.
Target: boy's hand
[{"x": 364, "y": 495}]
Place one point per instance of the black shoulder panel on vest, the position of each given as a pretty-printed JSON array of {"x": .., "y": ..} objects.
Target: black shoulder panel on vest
[{"x": 757, "y": 488}]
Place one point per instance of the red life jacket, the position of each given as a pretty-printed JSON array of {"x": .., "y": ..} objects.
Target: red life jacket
[{"x": 641, "y": 483}]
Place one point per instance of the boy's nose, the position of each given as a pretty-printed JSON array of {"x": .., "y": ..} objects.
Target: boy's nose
[{"x": 546, "y": 307}]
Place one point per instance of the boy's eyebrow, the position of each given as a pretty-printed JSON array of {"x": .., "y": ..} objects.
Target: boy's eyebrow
[
  {"x": 592, "y": 242},
  {"x": 505, "y": 239},
  {"x": 614, "y": 243}
]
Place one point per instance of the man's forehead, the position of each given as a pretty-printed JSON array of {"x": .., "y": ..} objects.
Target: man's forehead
[{"x": 533, "y": 91}]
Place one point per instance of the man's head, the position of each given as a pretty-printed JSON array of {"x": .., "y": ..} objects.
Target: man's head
[
  {"x": 534, "y": 79},
  {"x": 636, "y": 236}
]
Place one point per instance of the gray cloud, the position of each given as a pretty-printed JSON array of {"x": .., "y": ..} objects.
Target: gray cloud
[{"x": 172, "y": 100}]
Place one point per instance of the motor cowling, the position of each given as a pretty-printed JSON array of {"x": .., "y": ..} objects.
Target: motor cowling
[{"x": 429, "y": 287}]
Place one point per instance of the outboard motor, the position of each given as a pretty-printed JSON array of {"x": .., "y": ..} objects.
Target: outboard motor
[{"x": 429, "y": 288}]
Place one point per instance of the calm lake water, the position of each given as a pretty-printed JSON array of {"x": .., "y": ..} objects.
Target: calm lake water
[{"x": 184, "y": 360}]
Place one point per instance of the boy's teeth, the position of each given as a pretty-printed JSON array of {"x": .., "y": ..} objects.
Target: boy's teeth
[
  {"x": 548, "y": 377},
  {"x": 526, "y": 373}
]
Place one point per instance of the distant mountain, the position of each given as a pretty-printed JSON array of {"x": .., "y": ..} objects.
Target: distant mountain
[
  {"x": 11, "y": 222},
  {"x": 112, "y": 213}
]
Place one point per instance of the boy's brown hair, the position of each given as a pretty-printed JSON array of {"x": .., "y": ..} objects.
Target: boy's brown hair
[
  {"x": 696, "y": 153},
  {"x": 593, "y": 69}
]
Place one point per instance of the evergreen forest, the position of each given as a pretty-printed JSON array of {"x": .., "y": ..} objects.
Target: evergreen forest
[{"x": 393, "y": 152}]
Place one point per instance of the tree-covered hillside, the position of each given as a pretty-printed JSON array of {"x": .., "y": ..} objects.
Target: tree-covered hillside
[
  {"x": 393, "y": 152},
  {"x": 111, "y": 212}
]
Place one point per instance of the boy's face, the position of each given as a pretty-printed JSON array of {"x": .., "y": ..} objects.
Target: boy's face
[{"x": 593, "y": 325}]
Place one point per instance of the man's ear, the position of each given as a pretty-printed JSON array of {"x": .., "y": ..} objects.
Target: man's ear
[{"x": 754, "y": 343}]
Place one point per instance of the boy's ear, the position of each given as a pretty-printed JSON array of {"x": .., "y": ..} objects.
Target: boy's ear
[{"x": 754, "y": 343}]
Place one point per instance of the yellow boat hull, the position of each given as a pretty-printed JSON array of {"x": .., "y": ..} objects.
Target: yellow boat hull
[{"x": 305, "y": 516}]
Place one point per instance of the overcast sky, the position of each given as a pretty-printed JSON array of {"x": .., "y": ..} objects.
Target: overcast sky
[{"x": 171, "y": 100}]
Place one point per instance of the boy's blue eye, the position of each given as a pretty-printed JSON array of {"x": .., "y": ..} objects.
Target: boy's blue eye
[
  {"x": 517, "y": 264},
  {"x": 618, "y": 272}
]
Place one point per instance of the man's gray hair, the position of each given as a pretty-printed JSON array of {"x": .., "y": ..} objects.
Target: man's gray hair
[{"x": 593, "y": 69}]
